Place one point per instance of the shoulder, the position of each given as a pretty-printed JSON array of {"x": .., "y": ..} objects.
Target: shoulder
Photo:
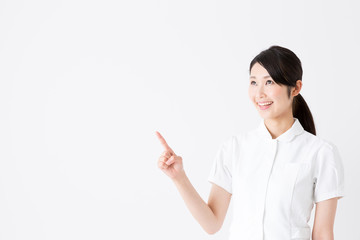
[
  {"x": 244, "y": 141},
  {"x": 232, "y": 143},
  {"x": 318, "y": 142},
  {"x": 325, "y": 152}
]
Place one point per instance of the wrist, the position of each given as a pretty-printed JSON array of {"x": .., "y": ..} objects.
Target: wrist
[{"x": 180, "y": 177}]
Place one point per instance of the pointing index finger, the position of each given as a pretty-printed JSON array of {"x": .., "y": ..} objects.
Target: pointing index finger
[{"x": 163, "y": 142}]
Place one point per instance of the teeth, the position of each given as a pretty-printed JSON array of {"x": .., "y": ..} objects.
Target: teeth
[{"x": 263, "y": 104}]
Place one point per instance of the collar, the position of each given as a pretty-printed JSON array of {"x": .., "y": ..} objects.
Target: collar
[{"x": 287, "y": 136}]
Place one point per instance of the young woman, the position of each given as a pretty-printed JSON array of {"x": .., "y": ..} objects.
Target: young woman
[{"x": 274, "y": 173}]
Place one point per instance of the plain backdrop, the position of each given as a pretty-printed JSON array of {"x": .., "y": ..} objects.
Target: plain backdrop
[{"x": 84, "y": 85}]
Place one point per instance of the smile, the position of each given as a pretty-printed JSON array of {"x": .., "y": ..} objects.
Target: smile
[
  {"x": 264, "y": 106},
  {"x": 264, "y": 103}
]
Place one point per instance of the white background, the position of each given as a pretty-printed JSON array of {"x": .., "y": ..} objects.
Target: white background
[{"x": 84, "y": 85}]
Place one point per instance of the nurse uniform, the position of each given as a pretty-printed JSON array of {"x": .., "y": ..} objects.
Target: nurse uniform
[{"x": 275, "y": 182}]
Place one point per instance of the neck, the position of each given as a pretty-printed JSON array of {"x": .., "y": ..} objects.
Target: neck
[{"x": 276, "y": 127}]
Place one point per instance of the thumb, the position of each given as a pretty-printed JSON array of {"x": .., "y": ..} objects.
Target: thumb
[{"x": 170, "y": 160}]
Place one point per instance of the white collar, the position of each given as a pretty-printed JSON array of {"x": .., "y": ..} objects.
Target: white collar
[{"x": 287, "y": 136}]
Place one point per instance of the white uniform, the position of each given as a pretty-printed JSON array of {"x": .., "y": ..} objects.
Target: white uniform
[{"x": 275, "y": 182}]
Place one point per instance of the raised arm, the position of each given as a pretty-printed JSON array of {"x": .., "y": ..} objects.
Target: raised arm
[{"x": 209, "y": 215}]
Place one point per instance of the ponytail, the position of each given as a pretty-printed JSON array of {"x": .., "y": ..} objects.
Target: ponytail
[{"x": 302, "y": 112}]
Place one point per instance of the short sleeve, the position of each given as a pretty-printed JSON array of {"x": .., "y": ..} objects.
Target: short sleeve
[
  {"x": 329, "y": 174},
  {"x": 221, "y": 171}
]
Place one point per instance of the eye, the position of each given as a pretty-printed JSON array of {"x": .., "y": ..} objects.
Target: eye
[
  {"x": 251, "y": 83},
  {"x": 270, "y": 81}
]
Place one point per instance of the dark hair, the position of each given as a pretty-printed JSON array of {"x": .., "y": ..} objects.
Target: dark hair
[{"x": 285, "y": 68}]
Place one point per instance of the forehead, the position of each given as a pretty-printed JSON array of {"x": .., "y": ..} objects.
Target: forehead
[{"x": 259, "y": 72}]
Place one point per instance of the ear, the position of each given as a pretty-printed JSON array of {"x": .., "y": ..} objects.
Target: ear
[{"x": 297, "y": 88}]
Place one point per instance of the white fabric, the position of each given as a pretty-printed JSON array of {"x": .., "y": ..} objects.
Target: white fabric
[{"x": 275, "y": 182}]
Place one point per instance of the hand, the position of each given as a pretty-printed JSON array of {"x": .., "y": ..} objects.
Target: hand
[{"x": 169, "y": 162}]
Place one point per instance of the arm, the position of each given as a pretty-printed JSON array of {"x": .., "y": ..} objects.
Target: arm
[
  {"x": 209, "y": 215},
  {"x": 324, "y": 220}
]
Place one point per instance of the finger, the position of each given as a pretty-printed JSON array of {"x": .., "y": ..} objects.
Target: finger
[
  {"x": 163, "y": 159},
  {"x": 166, "y": 154},
  {"x": 162, "y": 165},
  {"x": 170, "y": 161},
  {"x": 163, "y": 142}
]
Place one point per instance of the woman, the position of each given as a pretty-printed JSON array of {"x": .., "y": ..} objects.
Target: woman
[{"x": 274, "y": 173}]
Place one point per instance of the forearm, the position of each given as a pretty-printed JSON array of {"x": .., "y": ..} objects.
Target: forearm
[
  {"x": 323, "y": 236},
  {"x": 196, "y": 205}
]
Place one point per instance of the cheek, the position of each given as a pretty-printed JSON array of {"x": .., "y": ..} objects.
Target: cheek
[
  {"x": 277, "y": 93},
  {"x": 251, "y": 94},
  {"x": 281, "y": 97}
]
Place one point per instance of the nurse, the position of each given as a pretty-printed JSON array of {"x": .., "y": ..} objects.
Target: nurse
[{"x": 274, "y": 174}]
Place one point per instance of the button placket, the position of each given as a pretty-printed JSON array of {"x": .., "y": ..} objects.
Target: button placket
[{"x": 274, "y": 145}]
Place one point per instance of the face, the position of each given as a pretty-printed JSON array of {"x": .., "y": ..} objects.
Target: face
[{"x": 263, "y": 89}]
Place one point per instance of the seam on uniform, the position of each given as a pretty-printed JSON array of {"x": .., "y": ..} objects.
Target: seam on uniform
[
  {"x": 328, "y": 195},
  {"x": 327, "y": 145},
  {"x": 291, "y": 202},
  {"x": 232, "y": 158},
  {"x": 220, "y": 183},
  {"x": 314, "y": 171}
]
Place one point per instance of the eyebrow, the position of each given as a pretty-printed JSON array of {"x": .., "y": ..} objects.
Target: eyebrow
[{"x": 267, "y": 76}]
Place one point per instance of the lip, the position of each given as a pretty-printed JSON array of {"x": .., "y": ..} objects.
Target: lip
[
  {"x": 266, "y": 106},
  {"x": 265, "y": 101}
]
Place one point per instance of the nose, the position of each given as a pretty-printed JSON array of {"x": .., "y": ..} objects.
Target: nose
[{"x": 260, "y": 92}]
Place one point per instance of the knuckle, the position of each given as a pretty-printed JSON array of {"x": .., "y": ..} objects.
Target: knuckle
[{"x": 165, "y": 154}]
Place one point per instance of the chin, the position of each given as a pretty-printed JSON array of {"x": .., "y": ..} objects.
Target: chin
[{"x": 266, "y": 116}]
